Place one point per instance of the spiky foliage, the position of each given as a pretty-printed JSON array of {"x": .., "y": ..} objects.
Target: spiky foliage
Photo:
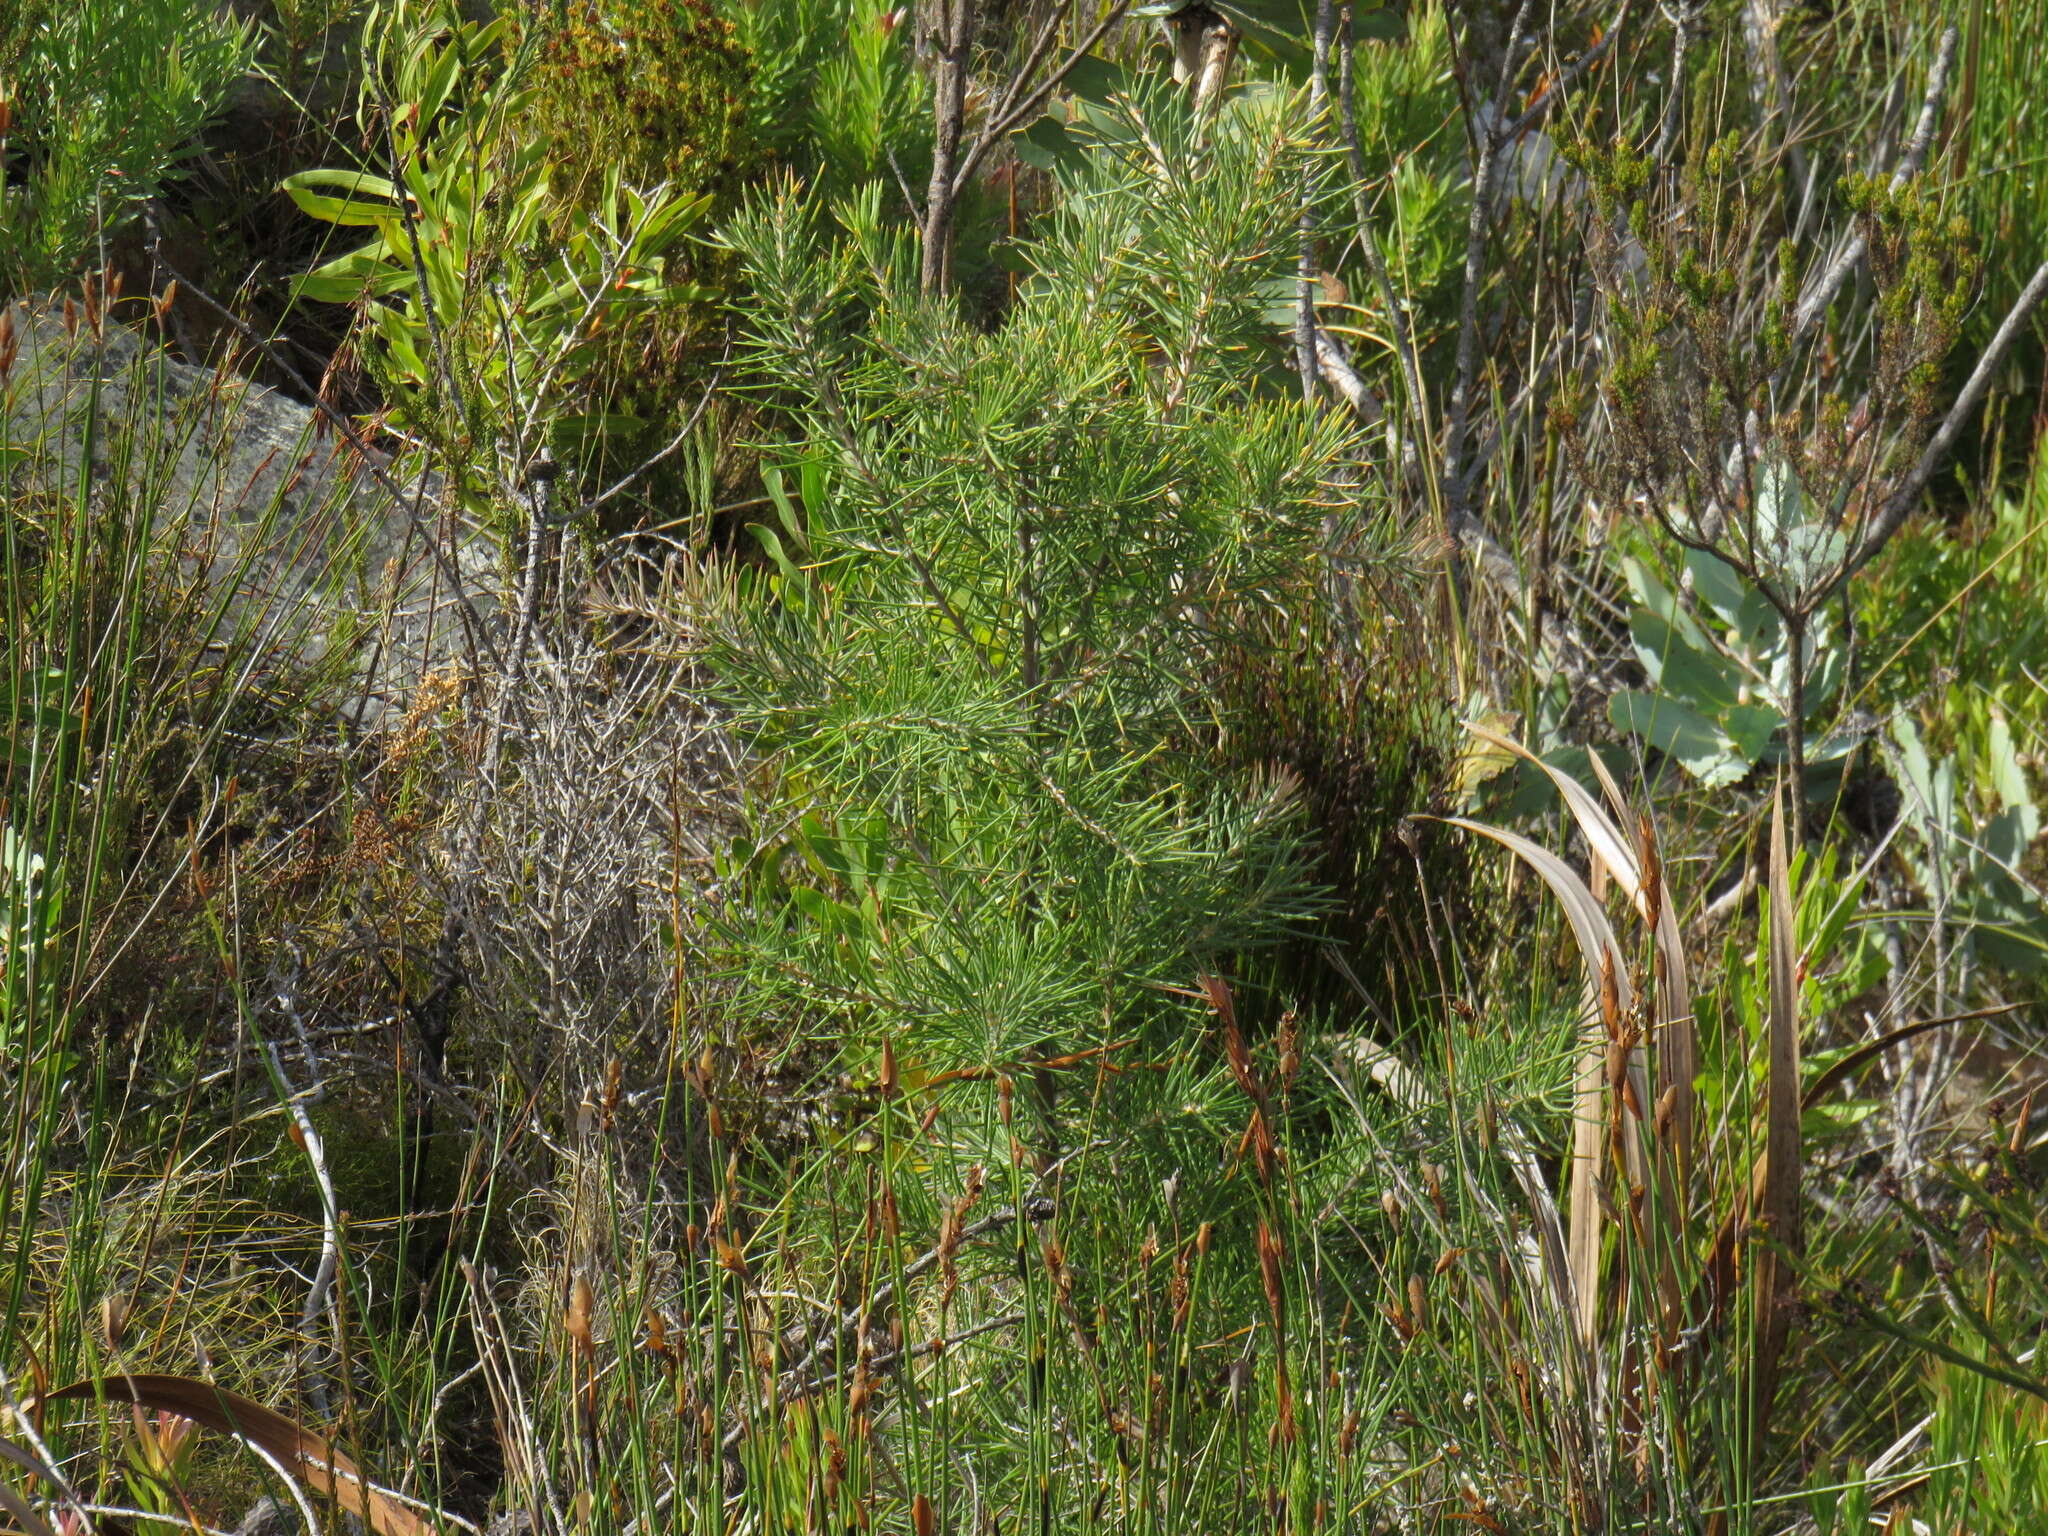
[
  {"x": 101, "y": 102},
  {"x": 980, "y": 669}
]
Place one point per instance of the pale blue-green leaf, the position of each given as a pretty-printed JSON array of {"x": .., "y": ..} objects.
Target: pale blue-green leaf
[
  {"x": 1809, "y": 553},
  {"x": 1757, "y": 622},
  {"x": 1749, "y": 728},
  {"x": 1717, "y": 584},
  {"x": 1679, "y": 731},
  {"x": 1652, "y": 594},
  {"x": 1676, "y": 664},
  {"x": 1913, "y": 761},
  {"x": 1832, "y": 747},
  {"x": 2009, "y": 835},
  {"x": 2007, "y": 776},
  {"x": 1826, "y": 667},
  {"x": 1780, "y": 501}
]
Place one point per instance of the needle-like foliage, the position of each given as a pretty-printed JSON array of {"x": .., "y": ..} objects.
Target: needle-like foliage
[{"x": 981, "y": 667}]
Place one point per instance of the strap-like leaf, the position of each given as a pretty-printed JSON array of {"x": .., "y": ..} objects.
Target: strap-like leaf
[
  {"x": 342, "y": 197},
  {"x": 299, "y": 1450}
]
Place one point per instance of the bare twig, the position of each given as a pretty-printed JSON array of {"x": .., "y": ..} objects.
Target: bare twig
[
  {"x": 953, "y": 170},
  {"x": 1683, "y": 22},
  {"x": 633, "y": 476},
  {"x": 1375, "y": 259},
  {"x": 321, "y": 1291},
  {"x": 1333, "y": 364},
  {"x": 1562, "y": 86}
]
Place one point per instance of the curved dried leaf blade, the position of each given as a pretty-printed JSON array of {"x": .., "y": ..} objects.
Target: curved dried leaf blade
[
  {"x": 294, "y": 1447},
  {"x": 1603, "y": 959},
  {"x": 1678, "y": 1050}
]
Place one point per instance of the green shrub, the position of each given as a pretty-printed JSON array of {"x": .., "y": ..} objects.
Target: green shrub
[
  {"x": 984, "y": 664},
  {"x": 836, "y": 94},
  {"x": 100, "y": 101},
  {"x": 650, "y": 93},
  {"x": 491, "y": 305}
]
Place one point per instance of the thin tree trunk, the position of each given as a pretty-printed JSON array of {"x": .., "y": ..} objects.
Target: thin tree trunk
[
  {"x": 1218, "y": 51},
  {"x": 1305, "y": 271},
  {"x": 949, "y": 111}
]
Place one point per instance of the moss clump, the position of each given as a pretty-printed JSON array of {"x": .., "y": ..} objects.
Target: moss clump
[
  {"x": 657, "y": 88},
  {"x": 658, "y": 92}
]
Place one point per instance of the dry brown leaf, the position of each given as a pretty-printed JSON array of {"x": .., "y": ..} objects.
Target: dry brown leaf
[
  {"x": 295, "y": 1448},
  {"x": 1604, "y": 959},
  {"x": 1678, "y": 1051}
]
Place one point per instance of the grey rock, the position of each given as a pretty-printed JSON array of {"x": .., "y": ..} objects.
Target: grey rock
[
  {"x": 267, "y": 1517},
  {"x": 316, "y": 546}
]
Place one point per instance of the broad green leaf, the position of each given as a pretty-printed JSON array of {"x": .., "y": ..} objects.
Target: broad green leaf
[
  {"x": 433, "y": 91},
  {"x": 668, "y": 223},
  {"x": 1718, "y": 585},
  {"x": 2007, "y": 776},
  {"x": 1749, "y": 728},
  {"x": 397, "y": 334},
  {"x": 772, "y": 481},
  {"x": 1096, "y": 79},
  {"x": 1652, "y": 594},
  {"x": 351, "y": 277},
  {"x": 2008, "y": 835},
  {"x": 1780, "y": 501},
  {"x": 1679, "y": 731},
  {"x": 1811, "y": 552},
  {"x": 1676, "y": 665},
  {"x": 1826, "y": 667}
]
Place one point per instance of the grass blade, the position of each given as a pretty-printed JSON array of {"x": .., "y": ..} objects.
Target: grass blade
[{"x": 1778, "y": 1207}]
